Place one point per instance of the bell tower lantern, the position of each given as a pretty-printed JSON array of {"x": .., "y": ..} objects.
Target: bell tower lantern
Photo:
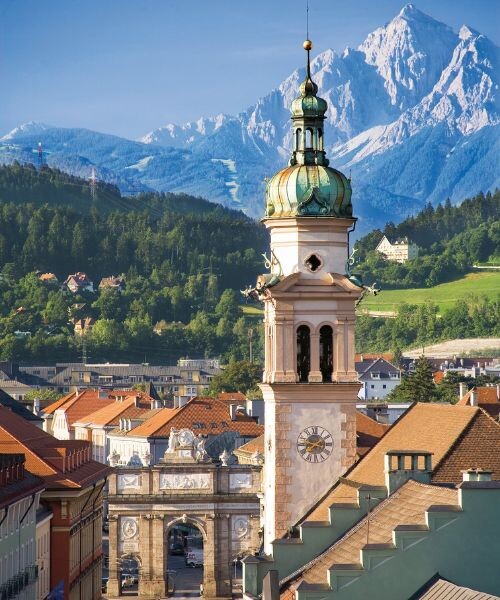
[{"x": 309, "y": 384}]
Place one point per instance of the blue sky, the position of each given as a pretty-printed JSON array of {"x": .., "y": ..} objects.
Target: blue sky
[{"x": 129, "y": 66}]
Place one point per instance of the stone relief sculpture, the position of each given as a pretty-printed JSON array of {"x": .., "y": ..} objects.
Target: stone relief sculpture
[
  {"x": 129, "y": 481},
  {"x": 146, "y": 459},
  {"x": 129, "y": 528},
  {"x": 194, "y": 481},
  {"x": 240, "y": 480},
  {"x": 257, "y": 458},
  {"x": 240, "y": 527}
]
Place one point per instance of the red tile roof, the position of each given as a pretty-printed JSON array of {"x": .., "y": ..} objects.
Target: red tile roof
[
  {"x": 207, "y": 416},
  {"x": 128, "y": 408},
  {"x": 78, "y": 405},
  {"x": 60, "y": 463},
  {"x": 368, "y": 432},
  {"x": 488, "y": 398}
]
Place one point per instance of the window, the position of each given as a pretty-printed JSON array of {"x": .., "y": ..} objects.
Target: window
[
  {"x": 298, "y": 139},
  {"x": 372, "y": 386},
  {"x": 320, "y": 139},
  {"x": 303, "y": 353},
  {"x": 384, "y": 386},
  {"x": 309, "y": 139},
  {"x": 199, "y": 425},
  {"x": 313, "y": 263},
  {"x": 326, "y": 352}
]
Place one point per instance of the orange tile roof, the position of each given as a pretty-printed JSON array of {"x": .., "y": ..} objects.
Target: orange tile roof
[
  {"x": 257, "y": 444},
  {"x": 203, "y": 415},
  {"x": 488, "y": 398},
  {"x": 406, "y": 506},
  {"x": 78, "y": 405},
  {"x": 45, "y": 454},
  {"x": 232, "y": 397},
  {"x": 373, "y": 356},
  {"x": 432, "y": 427},
  {"x": 368, "y": 432},
  {"x": 438, "y": 376},
  {"x": 111, "y": 413}
]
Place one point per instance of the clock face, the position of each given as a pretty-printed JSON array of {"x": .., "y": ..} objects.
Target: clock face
[{"x": 314, "y": 444}]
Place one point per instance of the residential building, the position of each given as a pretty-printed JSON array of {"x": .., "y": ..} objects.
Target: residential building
[
  {"x": 95, "y": 426},
  {"x": 83, "y": 326},
  {"x": 400, "y": 250},
  {"x": 112, "y": 283},
  {"x": 377, "y": 377},
  {"x": 383, "y": 412},
  {"x": 144, "y": 440},
  {"x": 19, "y": 500},
  {"x": 49, "y": 278},
  {"x": 73, "y": 492},
  {"x": 43, "y": 526},
  {"x": 486, "y": 397},
  {"x": 60, "y": 416},
  {"x": 15, "y": 389},
  {"x": 78, "y": 282},
  {"x": 181, "y": 382}
]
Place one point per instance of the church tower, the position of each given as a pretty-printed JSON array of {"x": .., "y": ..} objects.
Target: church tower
[{"x": 309, "y": 384}]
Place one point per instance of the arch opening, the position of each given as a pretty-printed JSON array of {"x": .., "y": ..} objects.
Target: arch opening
[
  {"x": 303, "y": 353},
  {"x": 185, "y": 557},
  {"x": 320, "y": 139},
  {"x": 129, "y": 574},
  {"x": 326, "y": 352},
  {"x": 298, "y": 139},
  {"x": 309, "y": 139}
]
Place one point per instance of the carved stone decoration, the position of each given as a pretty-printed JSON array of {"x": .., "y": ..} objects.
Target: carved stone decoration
[
  {"x": 129, "y": 529},
  {"x": 240, "y": 480},
  {"x": 146, "y": 459},
  {"x": 134, "y": 460},
  {"x": 187, "y": 481},
  {"x": 200, "y": 452},
  {"x": 173, "y": 441},
  {"x": 224, "y": 457},
  {"x": 114, "y": 458},
  {"x": 127, "y": 481},
  {"x": 257, "y": 458},
  {"x": 240, "y": 527}
]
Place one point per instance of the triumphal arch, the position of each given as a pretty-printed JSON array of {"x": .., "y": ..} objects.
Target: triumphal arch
[{"x": 218, "y": 498}]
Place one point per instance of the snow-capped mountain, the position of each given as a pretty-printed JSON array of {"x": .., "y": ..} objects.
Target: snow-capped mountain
[{"x": 413, "y": 114}]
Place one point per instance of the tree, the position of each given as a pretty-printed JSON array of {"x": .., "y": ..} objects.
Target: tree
[
  {"x": 238, "y": 376},
  {"x": 45, "y": 397},
  {"x": 417, "y": 386}
]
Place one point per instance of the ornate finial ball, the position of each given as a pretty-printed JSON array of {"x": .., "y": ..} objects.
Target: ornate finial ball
[{"x": 307, "y": 45}]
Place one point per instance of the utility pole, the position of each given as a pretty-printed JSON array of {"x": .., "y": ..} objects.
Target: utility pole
[
  {"x": 93, "y": 184},
  {"x": 250, "y": 336},
  {"x": 40, "y": 155}
]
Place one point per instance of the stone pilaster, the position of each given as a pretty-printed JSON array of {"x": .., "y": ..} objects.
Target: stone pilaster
[{"x": 315, "y": 375}]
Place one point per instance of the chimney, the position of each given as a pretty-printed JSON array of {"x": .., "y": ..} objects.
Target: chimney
[
  {"x": 473, "y": 397},
  {"x": 137, "y": 401},
  {"x": 476, "y": 475},
  {"x": 402, "y": 465},
  {"x": 36, "y": 406},
  {"x": 463, "y": 389},
  {"x": 498, "y": 392}
]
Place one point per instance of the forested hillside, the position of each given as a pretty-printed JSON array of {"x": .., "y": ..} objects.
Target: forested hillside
[
  {"x": 450, "y": 239},
  {"x": 183, "y": 260}
]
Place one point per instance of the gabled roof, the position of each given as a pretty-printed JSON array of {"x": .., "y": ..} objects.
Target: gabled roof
[
  {"x": 19, "y": 486},
  {"x": 18, "y": 408},
  {"x": 379, "y": 365},
  {"x": 79, "y": 404},
  {"x": 441, "y": 589},
  {"x": 207, "y": 416},
  {"x": 406, "y": 506},
  {"x": 488, "y": 398},
  {"x": 62, "y": 464},
  {"x": 368, "y": 432},
  {"x": 255, "y": 445},
  {"x": 438, "y": 428},
  {"x": 110, "y": 414}
]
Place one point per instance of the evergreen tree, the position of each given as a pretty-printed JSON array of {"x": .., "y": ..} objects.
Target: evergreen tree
[{"x": 417, "y": 386}]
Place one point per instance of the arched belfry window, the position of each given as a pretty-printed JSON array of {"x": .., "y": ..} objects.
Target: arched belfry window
[
  {"x": 309, "y": 138},
  {"x": 298, "y": 139},
  {"x": 320, "y": 139},
  {"x": 303, "y": 353},
  {"x": 326, "y": 352}
]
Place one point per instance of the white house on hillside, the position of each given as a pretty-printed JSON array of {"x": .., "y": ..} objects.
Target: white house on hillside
[{"x": 400, "y": 250}]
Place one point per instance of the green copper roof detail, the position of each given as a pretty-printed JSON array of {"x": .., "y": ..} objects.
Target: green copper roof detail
[{"x": 308, "y": 187}]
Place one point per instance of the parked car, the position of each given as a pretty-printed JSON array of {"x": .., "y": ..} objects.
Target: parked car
[{"x": 177, "y": 548}]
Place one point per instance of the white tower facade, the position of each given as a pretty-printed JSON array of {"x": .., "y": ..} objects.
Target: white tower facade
[{"x": 309, "y": 384}]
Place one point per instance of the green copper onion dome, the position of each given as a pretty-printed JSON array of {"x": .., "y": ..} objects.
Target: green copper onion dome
[{"x": 308, "y": 187}]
